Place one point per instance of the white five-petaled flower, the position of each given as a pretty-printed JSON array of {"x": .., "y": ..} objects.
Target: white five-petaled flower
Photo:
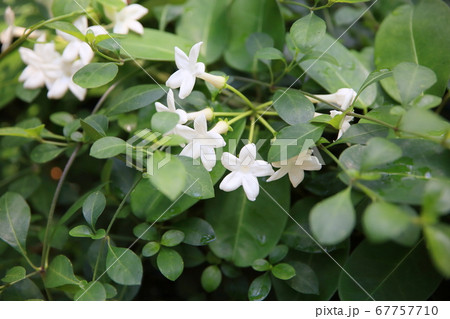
[
  {"x": 13, "y": 31},
  {"x": 63, "y": 81},
  {"x": 201, "y": 142},
  {"x": 172, "y": 109},
  {"x": 343, "y": 98},
  {"x": 244, "y": 171},
  {"x": 76, "y": 47},
  {"x": 126, "y": 19},
  {"x": 296, "y": 167}
]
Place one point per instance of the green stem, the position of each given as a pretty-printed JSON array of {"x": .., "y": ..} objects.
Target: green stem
[
  {"x": 268, "y": 126},
  {"x": 52, "y": 142},
  {"x": 99, "y": 256},
  {"x": 295, "y": 3},
  {"x": 227, "y": 113},
  {"x": 121, "y": 205},
  {"x": 242, "y": 96},
  {"x": 268, "y": 113},
  {"x": 252, "y": 130},
  {"x": 261, "y": 106},
  {"x": 237, "y": 118},
  {"x": 31, "y": 274}
]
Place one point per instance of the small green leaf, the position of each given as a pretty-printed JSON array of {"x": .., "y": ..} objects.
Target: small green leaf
[
  {"x": 81, "y": 231},
  {"x": 60, "y": 273},
  {"x": 283, "y": 271},
  {"x": 44, "y": 153},
  {"x": 198, "y": 181},
  {"x": 308, "y": 31},
  {"x": 146, "y": 232},
  {"x": 163, "y": 122},
  {"x": 116, "y": 4},
  {"x": 438, "y": 243},
  {"x": 61, "y": 118},
  {"x": 293, "y": 107},
  {"x": 211, "y": 278},
  {"x": 107, "y": 147},
  {"x": 332, "y": 220},
  {"x": 383, "y": 221},
  {"x": 361, "y": 133},
  {"x": 261, "y": 265},
  {"x": 260, "y": 288},
  {"x": 278, "y": 254},
  {"x": 93, "y": 207},
  {"x": 124, "y": 266},
  {"x": 135, "y": 98},
  {"x": 99, "y": 234},
  {"x": 168, "y": 174},
  {"x": 62, "y": 7},
  {"x": 170, "y": 263},
  {"x": 172, "y": 238},
  {"x": 150, "y": 249},
  {"x": 14, "y": 274},
  {"x": 269, "y": 54},
  {"x": 93, "y": 291},
  {"x": 197, "y": 231},
  {"x": 379, "y": 151},
  {"x": 373, "y": 78},
  {"x": 305, "y": 280},
  {"x": 66, "y": 27}
]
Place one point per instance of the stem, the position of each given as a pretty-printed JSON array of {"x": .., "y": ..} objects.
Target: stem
[
  {"x": 31, "y": 274},
  {"x": 227, "y": 113},
  {"x": 52, "y": 142},
  {"x": 46, "y": 244},
  {"x": 268, "y": 113},
  {"x": 261, "y": 106},
  {"x": 295, "y": 3},
  {"x": 104, "y": 96},
  {"x": 244, "y": 79},
  {"x": 242, "y": 96},
  {"x": 121, "y": 205},
  {"x": 237, "y": 118},
  {"x": 97, "y": 262},
  {"x": 252, "y": 130},
  {"x": 268, "y": 126}
]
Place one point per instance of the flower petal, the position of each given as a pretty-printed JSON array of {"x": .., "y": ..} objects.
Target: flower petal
[
  {"x": 71, "y": 51},
  {"x": 59, "y": 88},
  {"x": 230, "y": 162},
  {"x": 251, "y": 186},
  {"x": 120, "y": 28},
  {"x": 78, "y": 91},
  {"x": 86, "y": 53},
  {"x": 188, "y": 150},
  {"x": 231, "y": 182},
  {"x": 183, "y": 116},
  {"x": 134, "y": 11},
  {"x": 278, "y": 174},
  {"x": 194, "y": 53},
  {"x": 247, "y": 155},
  {"x": 161, "y": 107},
  {"x": 187, "y": 85},
  {"x": 296, "y": 175},
  {"x": 261, "y": 168},
  {"x": 208, "y": 157},
  {"x": 175, "y": 80},
  {"x": 181, "y": 59},
  {"x": 135, "y": 26},
  {"x": 312, "y": 164},
  {"x": 200, "y": 125},
  {"x": 187, "y": 133}
]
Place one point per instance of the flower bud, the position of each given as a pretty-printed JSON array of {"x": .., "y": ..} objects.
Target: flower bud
[
  {"x": 217, "y": 81},
  {"x": 208, "y": 112},
  {"x": 221, "y": 127}
]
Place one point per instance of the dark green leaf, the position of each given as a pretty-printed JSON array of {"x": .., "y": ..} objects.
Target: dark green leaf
[
  {"x": 66, "y": 27},
  {"x": 260, "y": 288},
  {"x": 107, "y": 147},
  {"x": 198, "y": 181},
  {"x": 95, "y": 74},
  {"x": 150, "y": 249},
  {"x": 305, "y": 280},
  {"x": 278, "y": 253},
  {"x": 93, "y": 291},
  {"x": 438, "y": 243},
  {"x": 198, "y": 232},
  {"x": 168, "y": 174},
  {"x": 60, "y": 273},
  {"x": 379, "y": 151},
  {"x": 93, "y": 207},
  {"x": 211, "y": 278},
  {"x": 170, "y": 263},
  {"x": 163, "y": 122},
  {"x": 362, "y": 132},
  {"x": 261, "y": 265},
  {"x": 135, "y": 98},
  {"x": 293, "y": 107},
  {"x": 124, "y": 266},
  {"x": 44, "y": 153},
  {"x": 308, "y": 31},
  {"x": 14, "y": 274},
  {"x": 172, "y": 238},
  {"x": 81, "y": 231}
]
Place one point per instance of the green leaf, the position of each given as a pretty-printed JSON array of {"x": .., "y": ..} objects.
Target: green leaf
[
  {"x": 332, "y": 220},
  {"x": 168, "y": 174},
  {"x": 437, "y": 192},
  {"x": 163, "y": 122},
  {"x": 379, "y": 151},
  {"x": 66, "y": 27},
  {"x": 438, "y": 243},
  {"x": 94, "y": 126},
  {"x": 267, "y": 19},
  {"x": 14, "y": 221},
  {"x": 211, "y": 278},
  {"x": 81, "y": 231},
  {"x": 259, "y": 288},
  {"x": 153, "y": 45},
  {"x": 198, "y": 232},
  {"x": 146, "y": 232},
  {"x": 373, "y": 78},
  {"x": 60, "y": 273},
  {"x": 135, "y": 98},
  {"x": 116, "y": 4},
  {"x": 62, "y": 7},
  {"x": 198, "y": 181},
  {"x": 305, "y": 280},
  {"x": 426, "y": 101},
  {"x": 269, "y": 54},
  {"x": 388, "y": 272},
  {"x": 261, "y": 265},
  {"x": 204, "y": 20},
  {"x": 293, "y": 107},
  {"x": 172, "y": 238},
  {"x": 423, "y": 121},
  {"x": 383, "y": 221},
  {"x": 278, "y": 254},
  {"x": 107, "y": 147},
  {"x": 16, "y": 273},
  {"x": 412, "y": 80},
  {"x": 292, "y": 140},
  {"x": 308, "y": 31},
  {"x": 409, "y": 35},
  {"x": 170, "y": 263},
  {"x": 361, "y": 133},
  {"x": 246, "y": 230},
  {"x": 93, "y": 291},
  {"x": 150, "y": 249},
  {"x": 44, "y": 153},
  {"x": 19, "y": 132},
  {"x": 95, "y": 74},
  {"x": 283, "y": 271},
  {"x": 123, "y": 266},
  {"x": 93, "y": 207},
  {"x": 10, "y": 71},
  {"x": 61, "y": 118}
]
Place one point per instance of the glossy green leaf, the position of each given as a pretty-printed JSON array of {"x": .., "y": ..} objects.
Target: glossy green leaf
[
  {"x": 123, "y": 266},
  {"x": 388, "y": 272},
  {"x": 305, "y": 280},
  {"x": 93, "y": 291},
  {"x": 293, "y": 107},
  {"x": 372, "y": 78},
  {"x": 168, "y": 175},
  {"x": 134, "y": 98},
  {"x": 423, "y": 121},
  {"x": 61, "y": 7},
  {"x": 107, "y": 147},
  {"x": 438, "y": 243},
  {"x": 308, "y": 31},
  {"x": 146, "y": 232},
  {"x": 44, "y": 153},
  {"x": 198, "y": 181},
  {"x": 383, "y": 221},
  {"x": 198, "y": 232},
  {"x": 14, "y": 221},
  {"x": 361, "y": 133},
  {"x": 278, "y": 253},
  {"x": 246, "y": 230},
  {"x": 163, "y": 122},
  {"x": 95, "y": 74},
  {"x": 283, "y": 271},
  {"x": 409, "y": 35},
  {"x": 172, "y": 238},
  {"x": 60, "y": 273},
  {"x": 93, "y": 207},
  {"x": 333, "y": 219},
  {"x": 261, "y": 265},
  {"x": 170, "y": 263},
  {"x": 150, "y": 249},
  {"x": 14, "y": 274},
  {"x": 211, "y": 278},
  {"x": 260, "y": 288},
  {"x": 269, "y": 54},
  {"x": 66, "y": 27},
  {"x": 267, "y": 20},
  {"x": 61, "y": 118},
  {"x": 210, "y": 18},
  {"x": 379, "y": 151},
  {"x": 81, "y": 231}
]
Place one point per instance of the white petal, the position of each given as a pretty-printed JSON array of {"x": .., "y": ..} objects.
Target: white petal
[
  {"x": 120, "y": 28},
  {"x": 247, "y": 155},
  {"x": 170, "y": 101},
  {"x": 199, "y": 68},
  {"x": 296, "y": 175},
  {"x": 181, "y": 59},
  {"x": 261, "y": 168},
  {"x": 187, "y": 133},
  {"x": 278, "y": 174},
  {"x": 35, "y": 81},
  {"x": 200, "y": 125},
  {"x": 9, "y": 16},
  {"x": 183, "y": 116},
  {"x": 135, "y": 26},
  {"x": 29, "y": 56},
  {"x": 231, "y": 182},
  {"x": 81, "y": 23},
  {"x": 193, "y": 54},
  {"x": 175, "y": 80},
  {"x": 251, "y": 186},
  {"x": 230, "y": 162},
  {"x": 187, "y": 85},
  {"x": 86, "y": 53},
  {"x": 134, "y": 11},
  {"x": 71, "y": 51},
  {"x": 312, "y": 164},
  {"x": 6, "y": 38},
  {"x": 188, "y": 150},
  {"x": 78, "y": 91},
  {"x": 98, "y": 30},
  {"x": 208, "y": 157},
  {"x": 58, "y": 89},
  {"x": 161, "y": 107}
]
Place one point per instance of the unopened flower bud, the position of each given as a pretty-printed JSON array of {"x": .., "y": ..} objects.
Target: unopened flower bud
[
  {"x": 221, "y": 127},
  {"x": 208, "y": 112},
  {"x": 217, "y": 81}
]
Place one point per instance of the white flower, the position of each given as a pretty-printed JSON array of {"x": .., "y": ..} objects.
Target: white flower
[
  {"x": 76, "y": 47},
  {"x": 201, "y": 142},
  {"x": 171, "y": 108},
  {"x": 126, "y": 19},
  {"x": 13, "y": 31},
  {"x": 345, "y": 123},
  {"x": 63, "y": 81},
  {"x": 244, "y": 171},
  {"x": 296, "y": 167}
]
